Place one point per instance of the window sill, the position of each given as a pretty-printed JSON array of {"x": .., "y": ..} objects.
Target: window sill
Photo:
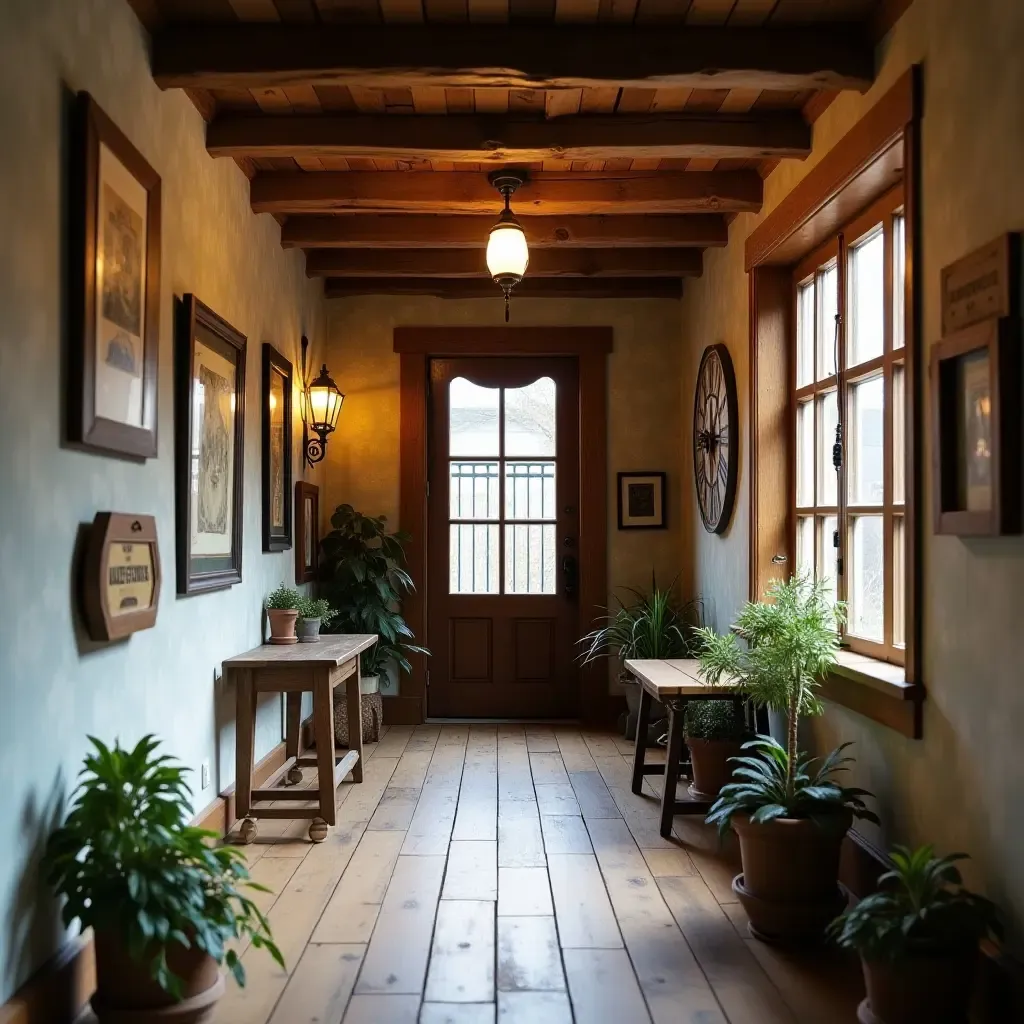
[{"x": 877, "y": 690}]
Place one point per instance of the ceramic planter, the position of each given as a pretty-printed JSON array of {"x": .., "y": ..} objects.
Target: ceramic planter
[
  {"x": 932, "y": 987},
  {"x": 308, "y": 630},
  {"x": 369, "y": 684},
  {"x": 711, "y": 767},
  {"x": 126, "y": 994},
  {"x": 282, "y": 625},
  {"x": 789, "y": 886}
]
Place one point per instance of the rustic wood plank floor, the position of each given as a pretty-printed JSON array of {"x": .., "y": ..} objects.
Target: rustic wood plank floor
[{"x": 506, "y": 875}]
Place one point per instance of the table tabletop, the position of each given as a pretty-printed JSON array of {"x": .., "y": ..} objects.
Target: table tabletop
[
  {"x": 333, "y": 649},
  {"x": 676, "y": 677}
]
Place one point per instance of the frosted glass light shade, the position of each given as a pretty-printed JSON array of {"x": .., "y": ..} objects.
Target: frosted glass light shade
[
  {"x": 507, "y": 252},
  {"x": 323, "y": 403}
]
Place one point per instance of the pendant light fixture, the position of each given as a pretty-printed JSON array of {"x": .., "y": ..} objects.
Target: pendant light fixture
[{"x": 507, "y": 252}]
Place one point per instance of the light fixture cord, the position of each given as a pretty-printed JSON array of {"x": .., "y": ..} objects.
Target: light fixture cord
[{"x": 506, "y": 306}]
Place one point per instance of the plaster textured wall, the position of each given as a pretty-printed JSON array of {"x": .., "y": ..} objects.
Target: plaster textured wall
[
  {"x": 643, "y": 403},
  {"x": 56, "y": 688},
  {"x": 962, "y": 786}
]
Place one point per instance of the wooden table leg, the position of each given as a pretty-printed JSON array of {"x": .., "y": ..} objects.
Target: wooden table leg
[
  {"x": 323, "y": 731},
  {"x": 640, "y": 752},
  {"x": 245, "y": 734},
  {"x": 292, "y": 730},
  {"x": 354, "y": 697},
  {"x": 672, "y": 758}
]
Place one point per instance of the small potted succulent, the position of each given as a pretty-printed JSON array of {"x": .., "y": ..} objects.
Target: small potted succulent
[
  {"x": 162, "y": 902},
  {"x": 282, "y": 612},
  {"x": 918, "y": 940},
  {"x": 312, "y": 612},
  {"x": 715, "y": 732},
  {"x": 789, "y": 812}
]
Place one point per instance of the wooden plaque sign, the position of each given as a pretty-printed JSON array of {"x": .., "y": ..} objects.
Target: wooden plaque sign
[
  {"x": 121, "y": 575},
  {"x": 986, "y": 283}
]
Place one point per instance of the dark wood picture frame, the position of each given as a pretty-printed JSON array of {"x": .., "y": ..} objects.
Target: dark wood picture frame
[
  {"x": 276, "y": 536},
  {"x": 199, "y": 572},
  {"x": 86, "y": 426},
  {"x": 999, "y": 339},
  {"x": 307, "y": 518},
  {"x": 623, "y": 480}
]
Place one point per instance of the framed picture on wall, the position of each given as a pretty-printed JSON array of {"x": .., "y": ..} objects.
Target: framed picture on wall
[
  {"x": 641, "y": 501},
  {"x": 307, "y": 531},
  {"x": 276, "y": 410},
  {"x": 114, "y": 289},
  {"x": 209, "y": 444}
]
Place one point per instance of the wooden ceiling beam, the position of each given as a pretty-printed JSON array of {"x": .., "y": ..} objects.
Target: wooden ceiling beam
[
  {"x": 547, "y": 193},
  {"x": 519, "y": 56},
  {"x": 432, "y": 231},
  {"x": 469, "y": 139},
  {"x": 421, "y": 263},
  {"x": 484, "y": 288}
]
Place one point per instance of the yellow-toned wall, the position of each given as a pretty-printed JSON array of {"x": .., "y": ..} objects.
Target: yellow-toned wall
[
  {"x": 962, "y": 786},
  {"x": 644, "y": 418}
]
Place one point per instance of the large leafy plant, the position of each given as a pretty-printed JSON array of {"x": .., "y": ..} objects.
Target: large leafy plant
[
  {"x": 128, "y": 865},
  {"x": 653, "y": 625},
  {"x": 921, "y": 907},
  {"x": 363, "y": 575}
]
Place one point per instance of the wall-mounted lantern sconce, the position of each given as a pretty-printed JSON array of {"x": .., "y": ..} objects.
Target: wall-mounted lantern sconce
[{"x": 321, "y": 404}]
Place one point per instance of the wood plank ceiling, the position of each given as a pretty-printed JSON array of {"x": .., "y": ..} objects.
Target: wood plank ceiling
[{"x": 368, "y": 127}]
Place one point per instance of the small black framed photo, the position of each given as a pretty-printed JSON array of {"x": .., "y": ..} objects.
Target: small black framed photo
[{"x": 642, "y": 501}]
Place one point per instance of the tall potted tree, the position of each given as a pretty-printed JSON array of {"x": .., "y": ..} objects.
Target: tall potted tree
[{"x": 788, "y": 810}]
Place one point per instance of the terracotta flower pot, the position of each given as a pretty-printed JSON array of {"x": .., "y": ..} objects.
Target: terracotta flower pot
[
  {"x": 282, "y": 625},
  {"x": 711, "y": 767},
  {"x": 789, "y": 886},
  {"x": 924, "y": 987},
  {"x": 126, "y": 994}
]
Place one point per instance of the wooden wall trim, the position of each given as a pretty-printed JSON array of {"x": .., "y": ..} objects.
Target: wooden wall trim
[{"x": 503, "y": 341}]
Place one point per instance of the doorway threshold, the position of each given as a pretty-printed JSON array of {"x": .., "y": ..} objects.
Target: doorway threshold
[{"x": 502, "y": 721}]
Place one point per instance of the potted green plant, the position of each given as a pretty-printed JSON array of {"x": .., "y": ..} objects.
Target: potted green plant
[
  {"x": 653, "y": 625},
  {"x": 917, "y": 938},
  {"x": 788, "y": 810},
  {"x": 162, "y": 902},
  {"x": 312, "y": 613},
  {"x": 715, "y": 731},
  {"x": 282, "y": 611},
  {"x": 363, "y": 575}
]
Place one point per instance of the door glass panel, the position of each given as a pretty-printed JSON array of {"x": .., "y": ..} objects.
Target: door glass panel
[
  {"x": 474, "y": 490},
  {"x": 530, "y": 419},
  {"x": 828, "y": 567},
  {"x": 530, "y": 558},
  {"x": 867, "y": 578},
  {"x": 828, "y": 305},
  {"x": 867, "y": 299},
  {"x": 529, "y": 490},
  {"x": 472, "y": 419},
  {"x": 805, "y": 335},
  {"x": 473, "y": 552},
  {"x": 828, "y": 416},
  {"x": 867, "y": 456},
  {"x": 805, "y": 454}
]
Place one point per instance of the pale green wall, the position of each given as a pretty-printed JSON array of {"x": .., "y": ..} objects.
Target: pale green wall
[
  {"x": 962, "y": 786},
  {"x": 53, "y": 691}
]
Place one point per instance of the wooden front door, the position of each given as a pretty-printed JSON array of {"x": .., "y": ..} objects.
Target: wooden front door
[{"x": 503, "y": 538}]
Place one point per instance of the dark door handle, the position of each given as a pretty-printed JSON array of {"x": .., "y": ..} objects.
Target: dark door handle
[{"x": 569, "y": 576}]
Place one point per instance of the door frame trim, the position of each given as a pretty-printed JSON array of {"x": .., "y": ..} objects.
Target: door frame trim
[{"x": 590, "y": 346}]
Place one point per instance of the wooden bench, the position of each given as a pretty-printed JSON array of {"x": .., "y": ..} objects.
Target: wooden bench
[
  {"x": 294, "y": 670},
  {"x": 674, "y": 684}
]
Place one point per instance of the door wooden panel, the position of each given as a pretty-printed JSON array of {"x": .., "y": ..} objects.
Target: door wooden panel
[{"x": 503, "y": 536}]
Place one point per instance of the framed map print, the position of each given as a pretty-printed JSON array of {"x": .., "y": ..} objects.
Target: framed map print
[
  {"x": 276, "y": 410},
  {"x": 115, "y": 291},
  {"x": 209, "y": 441},
  {"x": 641, "y": 501}
]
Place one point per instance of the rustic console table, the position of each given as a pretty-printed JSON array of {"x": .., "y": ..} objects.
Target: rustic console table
[
  {"x": 294, "y": 670},
  {"x": 674, "y": 683}
]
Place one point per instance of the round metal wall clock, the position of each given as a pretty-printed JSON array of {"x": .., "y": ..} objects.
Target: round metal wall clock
[{"x": 715, "y": 426}]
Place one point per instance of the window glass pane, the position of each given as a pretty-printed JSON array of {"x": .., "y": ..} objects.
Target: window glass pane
[
  {"x": 805, "y": 546},
  {"x": 899, "y": 582},
  {"x": 867, "y": 578},
  {"x": 867, "y": 299},
  {"x": 472, "y": 419},
  {"x": 530, "y": 490},
  {"x": 827, "y": 553},
  {"x": 530, "y": 419},
  {"x": 899, "y": 264},
  {"x": 827, "y": 418},
  {"x": 805, "y": 334},
  {"x": 473, "y": 559},
  {"x": 529, "y": 559},
  {"x": 473, "y": 487},
  {"x": 866, "y": 469},
  {"x": 899, "y": 453},
  {"x": 805, "y": 454},
  {"x": 828, "y": 305}
]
